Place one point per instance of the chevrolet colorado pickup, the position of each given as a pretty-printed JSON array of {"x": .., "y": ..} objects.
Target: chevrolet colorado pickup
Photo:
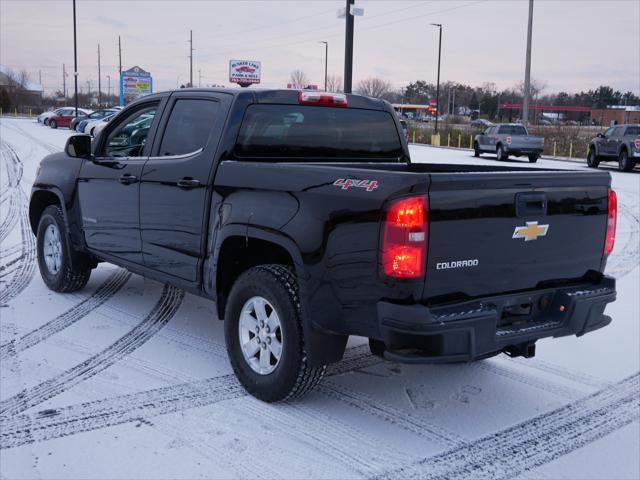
[
  {"x": 303, "y": 217},
  {"x": 508, "y": 139}
]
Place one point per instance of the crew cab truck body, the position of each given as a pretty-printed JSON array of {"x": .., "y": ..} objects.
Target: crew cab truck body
[
  {"x": 302, "y": 216},
  {"x": 620, "y": 143},
  {"x": 508, "y": 139}
]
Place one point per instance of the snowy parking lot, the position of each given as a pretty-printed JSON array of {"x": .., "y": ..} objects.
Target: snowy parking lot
[{"x": 130, "y": 378}]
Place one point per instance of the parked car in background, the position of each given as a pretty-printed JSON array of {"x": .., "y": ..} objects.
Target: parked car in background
[
  {"x": 97, "y": 126},
  {"x": 65, "y": 116},
  {"x": 97, "y": 115},
  {"x": 481, "y": 123},
  {"x": 45, "y": 116},
  {"x": 508, "y": 139},
  {"x": 619, "y": 143}
]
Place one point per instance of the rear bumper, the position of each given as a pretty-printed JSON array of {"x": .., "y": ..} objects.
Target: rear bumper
[
  {"x": 523, "y": 151},
  {"x": 483, "y": 327}
]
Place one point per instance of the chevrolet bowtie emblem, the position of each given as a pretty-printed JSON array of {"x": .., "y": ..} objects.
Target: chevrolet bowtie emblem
[{"x": 531, "y": 231}]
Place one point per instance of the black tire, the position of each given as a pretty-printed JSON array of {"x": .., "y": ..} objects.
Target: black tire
[
  {"x": 500, "y": 155},
  {"x": 73, "y": 273},
  {"x": 46, "y": 122},
  {"x": 625, "y": 164},
  {"x": 476, "y": 150},
  {"x": 376, "y": 347},
  {"x": 533, "y": 158},
  {"x": 53, "y": 124},
  {"x": 292, "y": 376},
  {"x": 593, "y": 160}
]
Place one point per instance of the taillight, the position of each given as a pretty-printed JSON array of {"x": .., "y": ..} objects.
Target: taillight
[
  {"x": 404, "y": 247},
  {"x": 612, "y": 216},
  {"x": 508, "y": 140},
  {"x": 322, "y": 98},
  {"x": 636, "y": 143}
]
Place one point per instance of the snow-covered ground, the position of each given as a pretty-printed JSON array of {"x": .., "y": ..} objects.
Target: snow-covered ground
[{"x": 101, "y": 384}]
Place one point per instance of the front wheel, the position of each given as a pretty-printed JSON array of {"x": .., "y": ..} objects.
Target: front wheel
[
  {"x": 592, "y": 159},
  {"x": 264, "y": 335},
  {"x": 59, "y": 272},
  {"x": 533, "y": 158},
  {"x": 625, "y": 164},
  {"x": 53, "y": 124}
]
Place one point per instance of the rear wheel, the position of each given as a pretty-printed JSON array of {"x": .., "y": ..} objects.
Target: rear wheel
[
  {"x": 60, "y": 272},
  {"x": 476, "y": 150},
  {"x": 264, "y": 335},
  {"x": 592, "y": 159},
  {"x": 46, "y": 121},
  {"x": 625, "y": 163},
  {"x": 500, "y": 153},
  {"x": 533, "y": 158},
  {"x": 53, "y": 124}
]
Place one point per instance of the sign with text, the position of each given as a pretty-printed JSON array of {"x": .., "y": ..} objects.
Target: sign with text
[
  {"x": 134, "y": 83},
  {"x": 244, "y": 71}
]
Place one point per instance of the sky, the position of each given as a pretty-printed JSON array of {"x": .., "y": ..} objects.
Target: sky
[{"x": 577, "y": 45}]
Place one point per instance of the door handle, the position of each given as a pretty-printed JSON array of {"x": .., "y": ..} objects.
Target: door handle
[
  {"x": 188, "y": 182},
  {"x": 531, "y": 204},
  {"x": 128, "y": 179}
]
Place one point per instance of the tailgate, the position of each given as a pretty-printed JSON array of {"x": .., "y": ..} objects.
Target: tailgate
[
  {"x": 525, "y": 142},
  {"x": 500, "y": 232}
]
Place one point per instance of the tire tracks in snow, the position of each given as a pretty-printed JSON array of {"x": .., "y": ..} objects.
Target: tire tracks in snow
[
  {"x": 107, "y": 290},
  {"x": 534, "y": 442},
  {"x": 624, "y": 260},
  {"x": 393, "y": 415},
  {"x": 61, "y": 422},
  {"x": 162, "y": 312},
  {"x": 21, "y": 275}
]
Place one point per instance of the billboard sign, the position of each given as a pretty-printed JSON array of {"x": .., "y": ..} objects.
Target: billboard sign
[
  {"x": 244, "y": 72},
  {"x": 134, "y": 83}
]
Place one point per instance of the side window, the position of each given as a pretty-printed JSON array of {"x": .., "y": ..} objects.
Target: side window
[
  {"x": 608, "y": 132},
  {"x": 189, "y": 125},
  {"x": 617, "y": 132},
  {"x": 129, "y": 136}
]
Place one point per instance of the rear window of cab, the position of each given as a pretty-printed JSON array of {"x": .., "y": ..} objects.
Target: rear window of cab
[{"x": 317, "y": 132}]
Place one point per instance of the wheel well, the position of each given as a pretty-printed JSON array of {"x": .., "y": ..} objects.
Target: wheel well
[
  {"x": 237, "y": 255},
  {"x": 623, "y": 149},
  {"x": 499, "y": 144},
  {"x": 39, "y": 201}
]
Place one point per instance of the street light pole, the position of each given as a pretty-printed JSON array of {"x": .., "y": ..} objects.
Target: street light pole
[
  {"x": 326, "y": 56},
  {"x": 108, "y": 88},
  {"x": 348, "y": 47},
  {"x": 75, "y": 56},
  {"x": 439, "y": 25},
  {"x": 527, "y": 70}
]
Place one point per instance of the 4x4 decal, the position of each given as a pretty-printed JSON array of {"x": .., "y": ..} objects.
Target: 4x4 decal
[{"x": 347, "y": 183}]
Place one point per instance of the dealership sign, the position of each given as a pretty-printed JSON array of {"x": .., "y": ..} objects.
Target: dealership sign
[
  {"x": 244, "y": 72},
  {"x": 134, "y": 83}
]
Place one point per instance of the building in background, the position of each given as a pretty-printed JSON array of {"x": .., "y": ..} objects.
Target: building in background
[{"x": 17, "y": 91}]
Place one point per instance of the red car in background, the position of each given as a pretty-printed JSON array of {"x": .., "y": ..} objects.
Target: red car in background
[{"x": 64, "y": 117}]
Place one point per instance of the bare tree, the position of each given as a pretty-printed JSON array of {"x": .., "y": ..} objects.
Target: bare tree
[
  {"x": 334, "y": 83},
  {"x": 300, "y": 78},
  {"x": 23, "y": 78},
  {"x": 536, "y": 87},
  {"x": 373, "y": 87}
]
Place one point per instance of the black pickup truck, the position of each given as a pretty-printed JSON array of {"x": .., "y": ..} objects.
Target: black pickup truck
[{"x": 302, "y": 216}]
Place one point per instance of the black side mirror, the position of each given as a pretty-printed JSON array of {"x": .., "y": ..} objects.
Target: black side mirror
[
  {"x": 600, "y": 135},
  {"x": 78, "y": 146}
]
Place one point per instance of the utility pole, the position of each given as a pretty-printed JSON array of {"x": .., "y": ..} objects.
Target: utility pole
[
  {"x": 348, "y": 47},
  {"x": 191, "y": 58},
  {"x": 199, "y": 78},
  {"x": 108, "y": 88},
  {"x": 120, "y": 70},
  {"x": 527, "y": 70},
  {"x": 64, "y": 81},
  {"x": 75, "y": 57},
  {"x": 326, "y": 57},
  {"x": 99, "y": 79},
  {"x": 439, "y": 25}
]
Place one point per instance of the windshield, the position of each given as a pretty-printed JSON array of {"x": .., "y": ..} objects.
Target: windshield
[{"x": 303, "y": 131}]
